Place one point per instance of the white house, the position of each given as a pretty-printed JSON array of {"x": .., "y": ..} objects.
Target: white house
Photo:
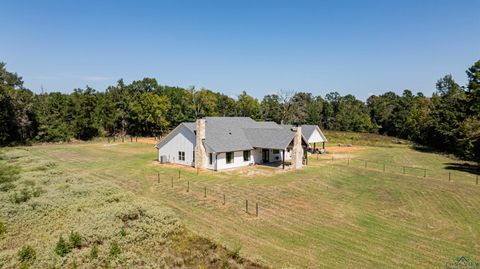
[{"x": 218, "y": 143}]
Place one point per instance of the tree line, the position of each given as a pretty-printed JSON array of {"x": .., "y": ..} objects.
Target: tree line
[{"x": 448, "y": 120}]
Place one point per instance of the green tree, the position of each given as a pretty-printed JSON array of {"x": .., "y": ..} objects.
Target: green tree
[
  {"x": 85, "y": 122},
  {"x": 247, "y": 106},
  {"x": 271, "y": 109}
]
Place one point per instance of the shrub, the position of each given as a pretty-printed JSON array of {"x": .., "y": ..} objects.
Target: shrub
[
  {"x": 21, "y": 197},
  {"x": 115, "y": 249},
  {"x": 27, "y": 255},
  {"x": 123, "y": 232},
  {"x": 3, "y": 228},
  {"x": 75, "y": 240},
  {"x": 61, "y": 249}
]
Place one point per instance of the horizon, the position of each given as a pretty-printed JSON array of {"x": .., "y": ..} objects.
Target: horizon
[{"x": 364, "y": 49}]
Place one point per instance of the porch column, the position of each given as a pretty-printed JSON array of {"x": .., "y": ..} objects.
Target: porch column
[
  {"x": 323, "y": 145},
  {"x": 283, "y": 160}
]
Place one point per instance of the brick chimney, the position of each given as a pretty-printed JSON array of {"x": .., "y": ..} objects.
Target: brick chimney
[
  {"x": 200, "y": 153},
  {"x": 297, "y": 152}
]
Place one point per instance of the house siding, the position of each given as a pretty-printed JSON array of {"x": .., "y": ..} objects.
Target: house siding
[
  {"x": 237, "y": 160},
  {"x": 182, "y": 140}
]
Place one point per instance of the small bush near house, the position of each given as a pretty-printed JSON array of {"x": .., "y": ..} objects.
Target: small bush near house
[
  {"x": 21, "y": 197},
  {"x": 27, "y": 255},
  {"x": 115, "y": 249},
  {"x": 75, "y": 240},
  {"x": 61, "y": 249}
]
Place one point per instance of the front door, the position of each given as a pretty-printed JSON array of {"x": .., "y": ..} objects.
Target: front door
[{"x": 265, "y": 155}]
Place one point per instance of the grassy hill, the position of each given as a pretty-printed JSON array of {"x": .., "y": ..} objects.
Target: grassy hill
[{"x": 376, "y": 204}]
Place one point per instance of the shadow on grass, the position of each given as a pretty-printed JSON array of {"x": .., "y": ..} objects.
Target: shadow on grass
[
  {"x": 426, "y": 149},
  {"x": 464, "y": 167}
]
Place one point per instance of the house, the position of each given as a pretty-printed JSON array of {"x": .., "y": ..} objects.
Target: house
[{"x": 218, "y": 143}]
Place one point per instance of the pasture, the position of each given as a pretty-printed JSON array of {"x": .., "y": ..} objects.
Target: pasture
[{"x": 398, "y": 210}]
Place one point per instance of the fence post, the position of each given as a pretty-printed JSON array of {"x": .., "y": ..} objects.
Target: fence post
[
  {"x": 256, "y": 209},
  {"x": 114, "y": 139},
  {"x": 205, "y": 192},
  {"x": 424, "y": 172},
  {"x": 477, "y": 179},
  {"x": 158, "y": 177},
  {"x": 188, "y": 186},
  {"x": 224, "y": 199},
  {"x": 449, "y": 176},
  {"x": 246, "y": 206},
  {"x": 123, "y": 139},
  {"x": 131, "y": 139},
  {"x": 178, "y": 174},
  {"x": 172, "y": 181},
  {"x": 136, "y": 138},
  {"x": 108, "y": 140}
]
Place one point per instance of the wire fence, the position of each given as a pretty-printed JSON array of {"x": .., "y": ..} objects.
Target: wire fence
[
  {"x": 188, "y": 184},
  {"x": 405, "y": 169}
]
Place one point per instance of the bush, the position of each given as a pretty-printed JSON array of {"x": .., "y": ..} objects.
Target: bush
[
  {"x": 61, "y": 249},
  {"x": 21, "y": 197},
  {"x": 3, "y": 228},
  {"x": 27, "y": 255},
  {"x": 115, "y": 249},
  {"x": 75, "y": 240},
  {"x": 123, "y": 232}
]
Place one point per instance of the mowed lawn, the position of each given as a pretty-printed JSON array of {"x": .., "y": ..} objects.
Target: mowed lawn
[{"x": 331, "y": 214}]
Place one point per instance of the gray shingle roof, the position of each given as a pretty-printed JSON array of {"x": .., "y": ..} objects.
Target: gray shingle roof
[
  {"x": 271, "y": 138},
  {"x": 224, "y": 134}
]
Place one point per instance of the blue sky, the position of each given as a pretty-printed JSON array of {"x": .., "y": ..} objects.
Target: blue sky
[{"x": 358, "y": 47}]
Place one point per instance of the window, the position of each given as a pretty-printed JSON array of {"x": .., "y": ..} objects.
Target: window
[
  {"x": 276, "y": 151},
  {"x": 246, "y": 155},
  {"x": 210, "y": 158},
  {"x": 229, "y": 157},
  {"x": 288, "y": 150},
  {"x": 181, "y": 155}
]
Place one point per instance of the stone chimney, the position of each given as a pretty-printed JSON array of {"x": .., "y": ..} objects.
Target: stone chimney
[
  {"x": 297, "y": 152},
  {"x": 200, "y": 153}
]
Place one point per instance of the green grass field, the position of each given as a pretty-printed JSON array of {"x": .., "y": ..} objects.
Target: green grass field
[{"x": 334, "y": 213}]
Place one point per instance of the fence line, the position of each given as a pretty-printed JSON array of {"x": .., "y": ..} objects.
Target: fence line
[
  {"x": 191, "y": 187},
  {"x": 401, "y": 169}
]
